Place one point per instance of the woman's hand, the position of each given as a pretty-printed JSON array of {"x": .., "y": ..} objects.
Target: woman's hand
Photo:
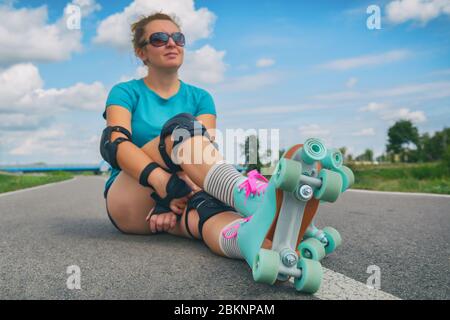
[
  {"x": 161, "y": 222},
  {"x": 177, "y": 205},
  {"x": 195, "y": 188}
]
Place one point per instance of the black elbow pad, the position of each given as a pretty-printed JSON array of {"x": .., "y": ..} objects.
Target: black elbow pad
[{"x": 108, "y": 149}]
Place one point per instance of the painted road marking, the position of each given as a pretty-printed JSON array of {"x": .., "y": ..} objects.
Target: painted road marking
[
  {"x": 399, "y": 193},
  {"x": 336, "y": 286}
]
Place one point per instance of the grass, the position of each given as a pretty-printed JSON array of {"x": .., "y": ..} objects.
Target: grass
[
  {"x": 425, "y": 177},
  {"x": 12, "y": 182},
  {"x": 419, "y": 177}
]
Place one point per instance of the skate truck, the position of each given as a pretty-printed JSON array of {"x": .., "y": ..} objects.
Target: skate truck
[{"x": 306, "y": 175}]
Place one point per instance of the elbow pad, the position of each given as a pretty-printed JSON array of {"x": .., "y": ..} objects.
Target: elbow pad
[{"x": 108, "y": 149}]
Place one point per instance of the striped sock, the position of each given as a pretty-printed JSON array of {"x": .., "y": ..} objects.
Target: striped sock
[
  {"x": 220, "y": 182},
  {"x": 228, "y": 241}
]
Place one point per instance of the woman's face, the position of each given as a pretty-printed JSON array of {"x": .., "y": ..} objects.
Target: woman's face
[{"x": 158, "y": 56}]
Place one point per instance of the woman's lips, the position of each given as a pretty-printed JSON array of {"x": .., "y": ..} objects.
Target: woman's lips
[{"x": 171, "y": 55}]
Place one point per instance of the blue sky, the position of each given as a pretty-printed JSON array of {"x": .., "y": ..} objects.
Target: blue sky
[{"x": 307, "y": 68}]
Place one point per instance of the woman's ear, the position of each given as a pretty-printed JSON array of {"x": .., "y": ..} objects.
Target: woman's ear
[{"x": 139, "y": 52}]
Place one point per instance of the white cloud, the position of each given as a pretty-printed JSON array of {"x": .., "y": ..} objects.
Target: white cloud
[
  {"x": 248, "y": 83},
  {"x": 420, "y": 91},
  {"x": 205, "y": 66},
  {"x": 21, "y": 121},
  {"x": 56, "y": 142},
  {"x": 265, "y": 62},
  {"x": 364, "y": 132},
  {"x": 313, "y": 130},
  {"x": 87, "y": 6},
  {"x": 21, "y": 91},
  {"x": 195, "y": 23},
  {"x": 400, "y": 11},
  {"x": 368, "y": 60},
  {"x": 351, "y": 82},
  {"x": 25, "y": 35},
  {"x": 388, "y": 113},
  {"x": 443, "y": 72},
  {"x": 403, "y": 114},
  {"x": 26, "y": 106},
  {"x": 373, "y": 106}
]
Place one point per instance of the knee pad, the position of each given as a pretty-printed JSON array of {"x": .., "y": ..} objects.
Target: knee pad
[
  {"x": 188, "y": 127},
  {"x": 207, "y": 206},
  {"x": 108, "y": 149}
]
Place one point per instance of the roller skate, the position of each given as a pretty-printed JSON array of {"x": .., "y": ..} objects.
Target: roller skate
[
  {"x": 249, "y": 193},
  {"x": 318, "y": 243},
  {"x": 305, "y": 175}
]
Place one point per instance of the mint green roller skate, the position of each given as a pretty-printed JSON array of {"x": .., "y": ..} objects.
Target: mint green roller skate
[
  {"x": 317, "y": 243},
  {"x": 282, "y": 214}
]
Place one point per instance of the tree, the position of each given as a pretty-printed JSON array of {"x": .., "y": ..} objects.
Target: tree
[
  {"x": 343, "y": 150},
  {"x": 366, "y": 156},
  {"x": 437, "y": 144},
  {"x": 400, "y": 136},
  {"x": 253, "y": 158}
]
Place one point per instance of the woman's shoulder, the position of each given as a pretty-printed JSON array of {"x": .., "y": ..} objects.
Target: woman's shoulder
[
  {"x": 194, "y": 89},
  {"x": 130, "y": 85}
]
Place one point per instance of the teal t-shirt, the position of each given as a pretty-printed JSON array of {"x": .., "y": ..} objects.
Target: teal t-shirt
[{"x": 149, "y": 111}]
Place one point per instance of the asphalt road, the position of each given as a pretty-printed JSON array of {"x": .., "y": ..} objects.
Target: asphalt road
[{"x": 45, "y": 230}]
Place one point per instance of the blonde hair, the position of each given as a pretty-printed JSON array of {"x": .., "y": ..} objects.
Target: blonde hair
[{"x": 138, "y": 28}]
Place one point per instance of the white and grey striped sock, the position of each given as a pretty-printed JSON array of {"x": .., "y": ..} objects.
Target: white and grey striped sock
[
  {"x": 228, "y": 244},
  {"x": 220, "y": 182}
]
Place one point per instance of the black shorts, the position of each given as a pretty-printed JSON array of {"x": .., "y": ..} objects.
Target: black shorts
[{"x": 105, "y": 194}]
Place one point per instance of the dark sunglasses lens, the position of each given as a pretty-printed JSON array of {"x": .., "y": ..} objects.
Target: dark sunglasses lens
[
  {"x": 178, "y": 37},
  {"x": 159, "y": 39}
]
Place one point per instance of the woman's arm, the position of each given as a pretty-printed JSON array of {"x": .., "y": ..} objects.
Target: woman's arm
[
  {"x": 209, "y": 121},
  {"x": 130, "y": 158}
]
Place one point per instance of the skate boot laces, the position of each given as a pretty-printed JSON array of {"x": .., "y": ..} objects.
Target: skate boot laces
[
  {"x": 234, "y": 229},
  {"x": 254, "y": 184}
]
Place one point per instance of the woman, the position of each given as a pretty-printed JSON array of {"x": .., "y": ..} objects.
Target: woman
[{"x": 136, "y": 112}]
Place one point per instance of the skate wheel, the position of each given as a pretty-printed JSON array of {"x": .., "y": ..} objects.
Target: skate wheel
[
  {"x": 287, "y": 175},
  {"x": 311, "y": 278},
  {"x": 348, "y": 178},
  {"x": 333, "y": 160},
  {"x": 313, "y": 150},
  {"x": 311, "y": 249},
  {"x": 265, "y": 266},
  {"x": 331, "y": 186},
  {"x": 334, "y": 239}
]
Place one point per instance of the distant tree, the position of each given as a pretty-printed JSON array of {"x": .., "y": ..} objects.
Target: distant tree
[
  {"x": 400, "y": 136},
  {"x": 366, "y": 156},
  {"x": 446, "y": 159},
  {"x": 251, "y": 150},
  {"x": 437, "y": 144},
  {"x": 381, "y": 158},
  {"x": 343, "y": 150}
]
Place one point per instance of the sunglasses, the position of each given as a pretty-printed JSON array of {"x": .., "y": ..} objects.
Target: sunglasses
[{"x": 159, "y": 39}]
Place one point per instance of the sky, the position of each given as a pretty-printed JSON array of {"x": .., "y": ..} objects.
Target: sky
[{"x": 304, "y": 68}]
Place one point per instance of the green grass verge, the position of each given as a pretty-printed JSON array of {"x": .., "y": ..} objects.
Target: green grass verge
[
  {"x": 12, "y": 182},
  {"x": 425, "y": 177}
]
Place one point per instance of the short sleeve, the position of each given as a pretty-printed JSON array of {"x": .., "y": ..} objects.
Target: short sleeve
[
  {"x": 120, "y": 95},
  {"x": 206, "y": 105}
]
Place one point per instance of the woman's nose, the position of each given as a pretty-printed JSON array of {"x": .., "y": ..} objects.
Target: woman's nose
[{"x": 171, "y": 42}]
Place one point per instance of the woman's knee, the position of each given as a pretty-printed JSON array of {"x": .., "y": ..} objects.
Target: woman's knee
[
  {"x": 128, "y": 204},
  {"x": 128, "y": 219}
]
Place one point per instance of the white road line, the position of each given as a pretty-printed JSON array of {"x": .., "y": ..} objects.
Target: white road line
[
  {"x": 400, "y": 193},
  {"x": 37, "y": 187},
  {"x": 336, "y": 286}
]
